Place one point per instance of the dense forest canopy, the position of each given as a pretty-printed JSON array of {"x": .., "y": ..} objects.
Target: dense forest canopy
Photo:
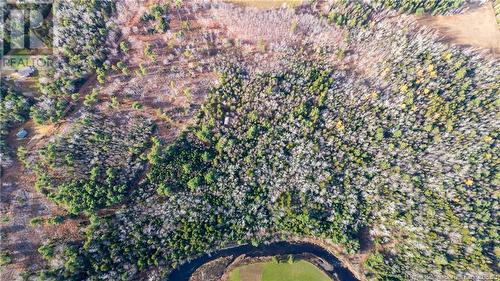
[
  {"x": 385, "y": 135},
  {"x": 94, "y": 164},
  {"x": 314, "y": 151}
]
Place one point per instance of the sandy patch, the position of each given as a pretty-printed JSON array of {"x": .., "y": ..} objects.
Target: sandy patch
[{"x": 477, "y": 28}]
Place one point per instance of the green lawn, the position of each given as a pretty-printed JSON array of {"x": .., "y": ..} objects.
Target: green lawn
[{"x": 271, "y": 271}]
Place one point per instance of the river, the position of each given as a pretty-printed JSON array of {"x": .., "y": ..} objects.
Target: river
[{"x": 184, "y": 271}]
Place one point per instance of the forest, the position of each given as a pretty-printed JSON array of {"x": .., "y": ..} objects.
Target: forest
[
  {"x": 93, "y": 165},
  {"x": 80, "y": 40},
  {"x": 14, "y": 110},
  {"x": 387, "y": 135},
  {"x": 313, "y": 151}
]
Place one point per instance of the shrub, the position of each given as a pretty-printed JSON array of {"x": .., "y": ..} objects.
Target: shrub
[
  {"x": 36, "y": 221},
  {"x": 47, "y": 251},
  {"x": 5, "y": 258}
]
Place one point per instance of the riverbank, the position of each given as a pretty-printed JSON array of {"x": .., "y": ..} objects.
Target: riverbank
[
  {"x": 294, "y": 247},
  {"x": 353, "y": 262}
]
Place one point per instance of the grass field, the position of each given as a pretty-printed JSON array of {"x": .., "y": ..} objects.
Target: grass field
[
  {"x": 271, "y": 271},
  {"x": 267, "y": 4}
]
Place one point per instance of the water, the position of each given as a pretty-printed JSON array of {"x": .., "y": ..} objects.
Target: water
[{"x": 184, "y": 271}]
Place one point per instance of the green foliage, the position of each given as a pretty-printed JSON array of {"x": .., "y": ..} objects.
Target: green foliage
[
  {"x": 357, "y": 13},
  {"x": 87, "y": 185},
  {"x": 36, "y": 221},
  {"x": 158, "y": 13},
  {"x": 204, "y": 134},
  {"x": 180, "y": 166},
  {"x": 56, "y": 220},
  {"x": 142, "y": 71},
  {"x": 351, "y": 15},
  {"x": 91, "y": 98},
  {"x": 154, "y": 153},
  {"x": 123, "y": 68},
  {"x": 136, "y": 105},
  {"x": 379, "y": 269},
  {"x": 421, "y": 6},
  {"x": 83, "y": 33},
  {"x": 312, "y": 150},
  {"x": 194, "y": 183},
  {"x": 210, "y": 177},
  {"x": 114, "y": 102},
  {"x": 14, "y": 109},
  {"x": 149, "y": 51},
  {"x": 5, "y": 219},
  {"x": 5, "y": 258},
  {"x": 124, "y": 47},
  {"x": 47, "y": 251},
  {"x": 100, "y": 75},
  {"x": 91, "y": 194}
]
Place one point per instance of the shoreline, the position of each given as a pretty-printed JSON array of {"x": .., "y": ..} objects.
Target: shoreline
[{"x": 330, "y": 255}]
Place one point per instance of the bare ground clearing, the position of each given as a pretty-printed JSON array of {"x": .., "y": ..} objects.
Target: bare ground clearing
[{"x": 476, "y": 28}]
